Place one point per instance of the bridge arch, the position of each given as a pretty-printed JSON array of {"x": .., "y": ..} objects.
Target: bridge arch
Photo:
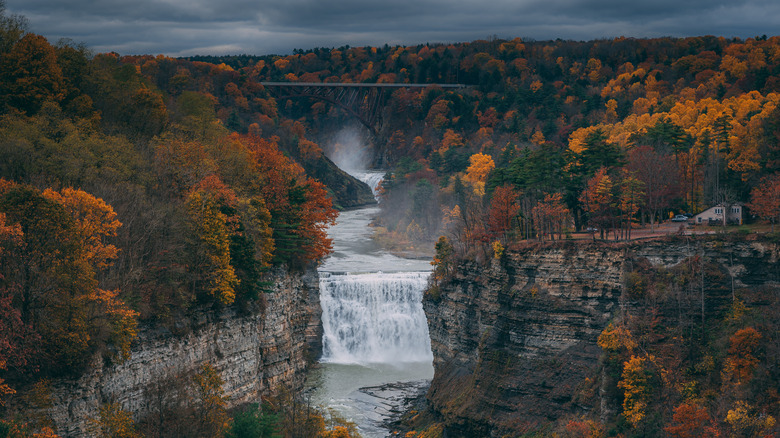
[{"x": 360, "y": 100}]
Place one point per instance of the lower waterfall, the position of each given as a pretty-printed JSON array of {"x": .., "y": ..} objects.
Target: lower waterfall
[
  {"x": 376, "y": 346},
  {"x": 374, "y": 318}
]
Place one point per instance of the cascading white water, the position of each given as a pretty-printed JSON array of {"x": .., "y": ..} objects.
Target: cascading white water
[
  {"x": 372, "y": 179},
  {"x": 375, "y": 330},
  {"x": 374, "y": 318}
]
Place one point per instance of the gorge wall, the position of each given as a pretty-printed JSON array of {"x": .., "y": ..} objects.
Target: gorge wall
[
  {"x": 255, "y": 354},
  {"x": 515, "y": 342}
]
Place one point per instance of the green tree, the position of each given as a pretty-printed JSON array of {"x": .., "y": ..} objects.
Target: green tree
[
  {"x": 444, "y": 260},
  {"x": 252, "y": 422}
]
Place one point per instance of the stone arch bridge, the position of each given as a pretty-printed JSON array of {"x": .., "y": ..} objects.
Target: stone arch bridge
[{"x": 361, "y": 100}]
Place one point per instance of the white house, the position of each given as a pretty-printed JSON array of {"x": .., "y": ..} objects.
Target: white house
[{"x": 715, "y": 214}]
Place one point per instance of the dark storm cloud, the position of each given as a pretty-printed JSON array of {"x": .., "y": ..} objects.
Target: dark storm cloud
[{"x": 183, "y": 27}]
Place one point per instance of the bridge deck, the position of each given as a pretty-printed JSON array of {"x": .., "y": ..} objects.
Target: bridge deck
[{"x": 359, "y": 85}]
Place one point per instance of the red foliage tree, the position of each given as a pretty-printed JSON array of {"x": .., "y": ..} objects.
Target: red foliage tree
[
  {"x": 660, "y": 176},
  {"x": 765, "y": 199},
  {"x": 691, "y": 421},
  {"x": 502, "y": 211},
  {"x": 550, "y": 215}
]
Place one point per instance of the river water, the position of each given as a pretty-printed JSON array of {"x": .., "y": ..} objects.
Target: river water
[{"x": 375, "y": 330}]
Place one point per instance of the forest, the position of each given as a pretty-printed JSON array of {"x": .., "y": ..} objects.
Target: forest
[
  {"x": 122, "y": 203},
  {"x": 143, "y": 189},
  {"x": 677, "y": 125}
]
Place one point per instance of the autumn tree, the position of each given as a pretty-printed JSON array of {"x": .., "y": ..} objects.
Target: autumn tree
[
  {"x": 503, "y": 209},
  {"x": 659, "y": 176},
  {"x": 550, "y": 215},
  {"x": 746, "y": 422},
  {"x": 211, "y": 411},
  {"x": 94, "y": 220},
  {"x": 598, "y": 201},
  {"x": 30, "y": 74},
  {"x": 691, "y": 421},
  {"x": 636, "y": 385},
  {"x": 741, "y": 361},
  {"x": 212, "y": 229},
  {"x": 315, "y": 214},
  {"x": 480, "y": 166},
  {"x": 765, "y": 199},
  {"x": 53, "y": 275}
]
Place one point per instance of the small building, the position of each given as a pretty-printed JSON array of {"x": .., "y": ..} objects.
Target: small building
[{"x": 714, "y": 215}]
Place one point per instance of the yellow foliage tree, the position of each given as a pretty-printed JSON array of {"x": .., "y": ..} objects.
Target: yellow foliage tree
[
  {"x": 213, "y": 418},
  {"x": 5, "y": 390},
  {"x": 113, "y": 422},
  {"x": 745, "y": 422},
  {"x": 95, "y": 221},
  {"x": 635, "y": 382},
  {"x": 210, "y": 227},
  {"x": 615, "y": 338},
  {"x": 480, "y": 165}
]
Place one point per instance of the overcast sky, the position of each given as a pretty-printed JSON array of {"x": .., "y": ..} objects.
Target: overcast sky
[{"x": 260, "y": 27}]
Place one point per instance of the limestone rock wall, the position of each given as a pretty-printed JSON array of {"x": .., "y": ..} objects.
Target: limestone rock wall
[
  {"x": 514, "y": 343},
  {"x": 255, "y": 353}
]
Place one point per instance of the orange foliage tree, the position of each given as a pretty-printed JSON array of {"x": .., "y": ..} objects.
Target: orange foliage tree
[
  {"x": 300, "y": 207},
  {"x": 52, "y": 275},
  {"x": 598, "y": 201},
  {"x": 741, "y": 361}
]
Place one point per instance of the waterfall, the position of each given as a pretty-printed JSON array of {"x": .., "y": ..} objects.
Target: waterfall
[
  {"x": 374, "y": 329},
  {"x": 374, "y": 318},
  {"x": 372, "y": 179}
]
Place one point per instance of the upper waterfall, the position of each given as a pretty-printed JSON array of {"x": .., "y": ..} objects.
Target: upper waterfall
[{"x": 371, "y": 178}]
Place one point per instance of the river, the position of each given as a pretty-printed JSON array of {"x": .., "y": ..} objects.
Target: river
[{"x": 375, "y": 330}]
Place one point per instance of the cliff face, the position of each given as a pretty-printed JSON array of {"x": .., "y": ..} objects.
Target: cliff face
[
  {"x": 515, "y": 344},
  {"x": 348, "y": 192},
  {"x": 255, "y": 354}
]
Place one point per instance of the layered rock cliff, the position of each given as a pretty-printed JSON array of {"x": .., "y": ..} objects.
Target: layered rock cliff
[
  {"x": 515, "y": 342},
  {"x": 255, "y": 353}
]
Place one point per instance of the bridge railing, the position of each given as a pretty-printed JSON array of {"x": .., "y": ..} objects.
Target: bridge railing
[{"x": 359, "y": 85}]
